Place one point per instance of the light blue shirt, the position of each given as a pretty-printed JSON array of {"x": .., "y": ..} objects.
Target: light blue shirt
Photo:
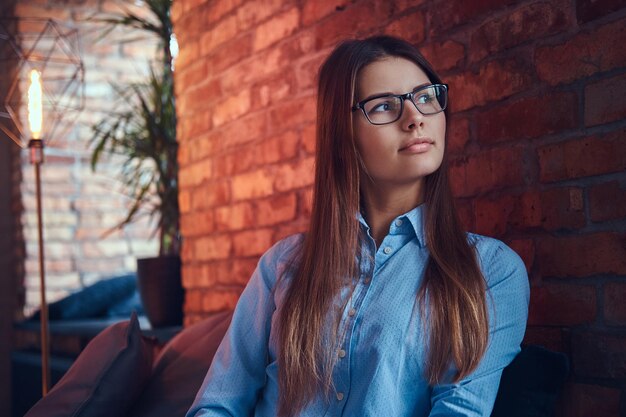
[{"x": 381, "y": 356}]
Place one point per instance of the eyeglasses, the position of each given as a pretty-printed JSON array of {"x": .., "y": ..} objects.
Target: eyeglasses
[{"x": 382, "y": 110}]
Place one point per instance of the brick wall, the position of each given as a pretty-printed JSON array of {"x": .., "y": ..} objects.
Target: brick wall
[
  {"x": 79, "y": 206},
  {"x": 537, "y": 142}
]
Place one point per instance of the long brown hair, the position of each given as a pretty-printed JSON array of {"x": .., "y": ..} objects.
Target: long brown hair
[{"x": 452, "y": 294}]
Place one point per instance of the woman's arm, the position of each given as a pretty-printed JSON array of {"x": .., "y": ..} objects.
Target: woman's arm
[
  {"x": 237, "y": 373},
  {"x": 507, "y": 298}
]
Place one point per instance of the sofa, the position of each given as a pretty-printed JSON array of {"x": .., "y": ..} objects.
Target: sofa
[{"x": 122, "y": 373}]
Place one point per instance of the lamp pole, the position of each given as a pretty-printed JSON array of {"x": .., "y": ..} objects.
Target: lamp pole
[
  {"x": 35, "y": 122},
  {"x": 36, "y": 158}
]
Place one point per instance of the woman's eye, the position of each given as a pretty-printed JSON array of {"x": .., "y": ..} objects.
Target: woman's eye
[
  {"x": 384, "y": 106},
  {"x": 424, "y": 98}
]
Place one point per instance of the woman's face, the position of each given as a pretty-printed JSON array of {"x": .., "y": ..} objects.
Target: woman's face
[{"x": 405, "y": 151}]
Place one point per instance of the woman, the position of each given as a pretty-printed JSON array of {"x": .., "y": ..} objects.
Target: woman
[{"x": 385, "y": 307}]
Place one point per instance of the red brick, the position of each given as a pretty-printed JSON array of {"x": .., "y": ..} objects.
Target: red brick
[
  {"x": 492, "y": 216},
  {"x": 232, "y": 107},
  {"x": 465, "y": 210},
  {"x": 235, "y": 162},
  {"x": 229, "y": 54},
  {"x": 582, "y": 255},
  {"x": 273, "y": 90},
  {"x": 551, "y": 305},
  {"x": 188, "y": 53},
  {"x": 233, "y": 271},
  {"x": 199, "y": 275},
  {"x": 486, "y": 171},
  {"x": 307, "y": 71},
  {"x": 614, "y": 305},
  {"x": 295, "y": 175},
  {"x": 588, "y": 10},
  {"x": 494, "y": 81},
  {"x": 583, "y": 157},
  {"x": 196, "y": 173},
  {"x": 220, "y": 8},
  {"x": 276, "y": 28},
  {"x": 458, "y": 134},
  {"x": 223, "y": 31},
  {"x": 188, "y": 77},
  {"x": 197, "y": 124},
  {"x": 287, "y": 229},
  {"x": 212, "y": 247},
  {"x": 255, "y": 184},
  {"x": 293, "y": 113},
  {"x": 444, "y": 55},
  {"x": 355, "y": 19},
  {"x": 193, "y": 28},
  {"x": 585, "y": 400},
  {"x": 234, "y": 217},
  {"x": 549, "y": 337},
  {"x": 598, "y": 354},
  {"x": 201, "y": 147},
  {"x": 525, "y": 248},
  {"x": 271, "y": 61},
  {"x": 197, "y": 223},
  {"x": 528, "y": 118},
  {"x": 400, "y": 6},
  {"x": 604, "y": 101},
  {"x": 308, "y": 139},
  {"x": 452, "y": 13},
  {"x": 532, "y": 21},
  {"x": 276, "y": 209},
  {"x": 201, "y": 97},
  {"x": 279, "y": 148},
  {"x": 242, "y": 131},
  {"x": 409, "y": 26},
  {"x": 315, "y": 10},
  {"x": 554, "y": 209},
  {"x": 219, "y": 300},
  {"x": 585, "y": 54},
  {"x": 607, "y": 201},
  {"x": 184, "y": 201},
  {"x": 252, "y": 242},
  {"x": 253, "y": 12},
  {"x": 211, "y": 194},
  {"x": 305, "y": 202}
]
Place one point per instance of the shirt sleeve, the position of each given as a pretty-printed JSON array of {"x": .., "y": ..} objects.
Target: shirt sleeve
[
  {"x": 237, "y": 373},
  {"x": 507, "y": 299}
]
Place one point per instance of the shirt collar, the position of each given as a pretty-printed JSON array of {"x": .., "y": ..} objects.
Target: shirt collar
[{"x": 414, "y": 216}]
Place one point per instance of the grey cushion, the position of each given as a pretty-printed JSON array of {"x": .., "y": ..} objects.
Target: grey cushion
[
  {"x": 107, "y": 377},
  {"x": 180, "y": 369}
]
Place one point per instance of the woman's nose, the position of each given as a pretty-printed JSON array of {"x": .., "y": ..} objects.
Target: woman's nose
[{"x": 411, "y": 117}]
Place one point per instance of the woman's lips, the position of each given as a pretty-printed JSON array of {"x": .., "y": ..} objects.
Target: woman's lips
[{"x": 417, "y": 146}]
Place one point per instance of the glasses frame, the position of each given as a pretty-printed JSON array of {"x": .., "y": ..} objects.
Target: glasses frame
[{"x": 406, "y": 96}]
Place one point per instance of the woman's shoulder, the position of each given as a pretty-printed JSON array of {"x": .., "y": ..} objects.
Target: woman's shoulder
[
  {"x": 497, "y": 260},
  {"x": 283, "y": 251}
]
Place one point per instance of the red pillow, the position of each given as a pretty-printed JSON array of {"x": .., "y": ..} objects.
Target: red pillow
[
  {"x": 180, "y": 369},
  {"x": 107, "y": 377}
]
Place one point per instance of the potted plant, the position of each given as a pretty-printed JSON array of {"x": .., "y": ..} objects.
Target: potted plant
[{"x": 144, "y": 134}]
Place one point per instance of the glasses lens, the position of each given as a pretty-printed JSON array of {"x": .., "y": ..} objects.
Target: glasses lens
[
  {"x": 432, "y": 99},
  {"x": 383, "y": 110}
]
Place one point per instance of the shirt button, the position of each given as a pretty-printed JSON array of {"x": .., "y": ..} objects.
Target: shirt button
[
  {"x": 339, "y": 396},
  {"x": 398, "y": 222},
  {"x": 387, "y": 250},
  {"x": 351, "y": 312},
  {"x": 342, "y": 353},
  {"x": 367, "y": 280}
]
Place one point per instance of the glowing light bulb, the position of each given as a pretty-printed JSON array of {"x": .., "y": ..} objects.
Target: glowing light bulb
[{"x": 35, "y": 116}]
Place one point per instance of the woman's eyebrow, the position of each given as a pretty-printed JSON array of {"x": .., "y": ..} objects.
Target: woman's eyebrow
[{"x": 388, "y": 93}]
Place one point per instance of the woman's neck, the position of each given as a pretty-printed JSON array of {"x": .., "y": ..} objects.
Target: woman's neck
[{"x": 383, "y": 204}]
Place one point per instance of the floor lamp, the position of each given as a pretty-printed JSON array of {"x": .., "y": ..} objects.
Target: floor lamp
[{"x": 46, "y": 93}]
